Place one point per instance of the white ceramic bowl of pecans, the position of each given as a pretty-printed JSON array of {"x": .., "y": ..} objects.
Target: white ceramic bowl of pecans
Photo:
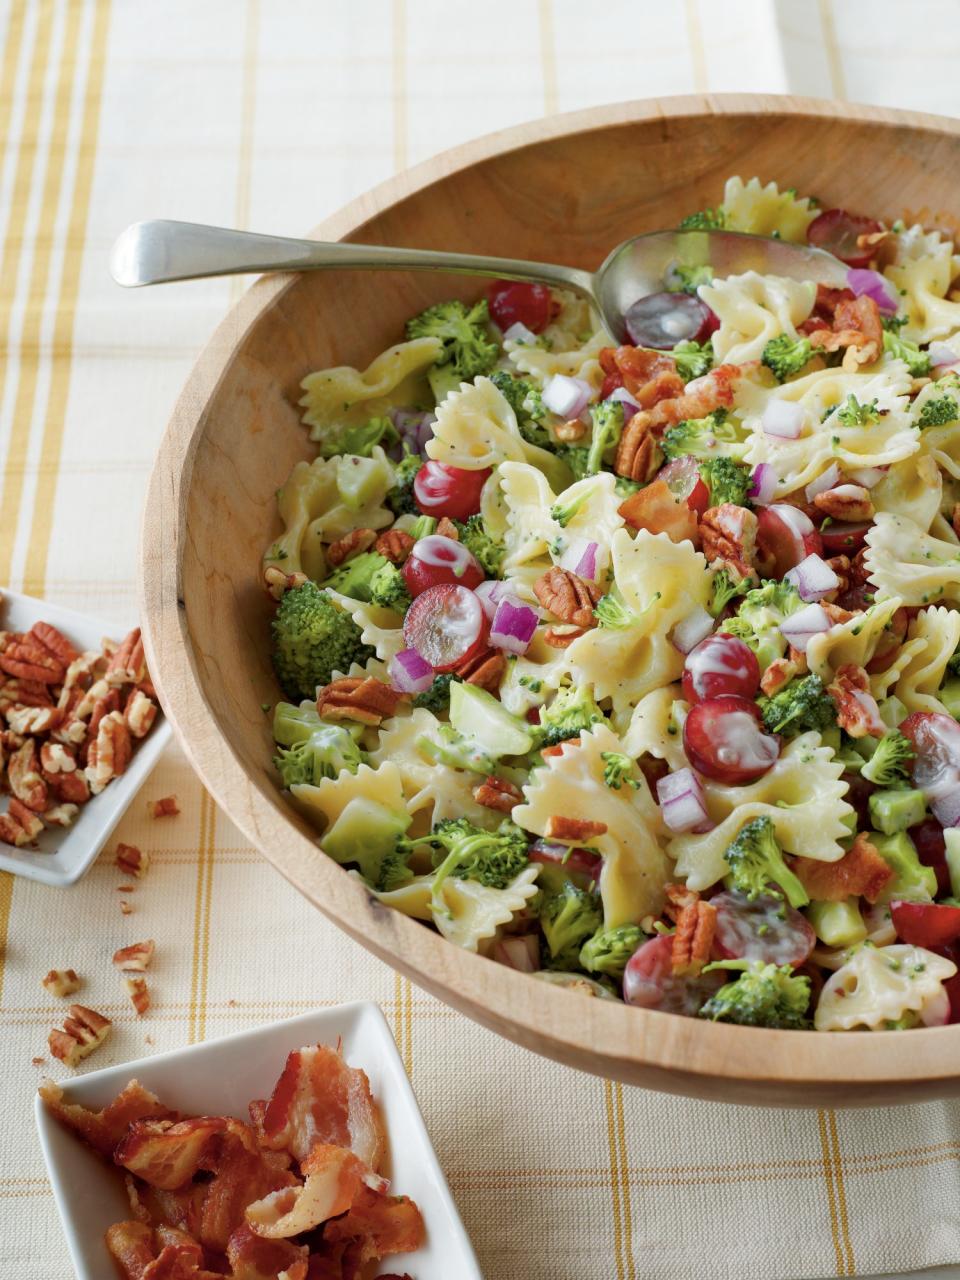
[{"x": 81, "y": 731}]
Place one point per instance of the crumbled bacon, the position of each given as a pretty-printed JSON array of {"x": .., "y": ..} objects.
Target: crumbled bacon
[
  {"x": 860, "y": 872},
  {"x": 104, "y": 1129},
  {"x": 857, "y": 710},
  {"x": 658, "y": 510},
  {"x": 856, "y": 327}
]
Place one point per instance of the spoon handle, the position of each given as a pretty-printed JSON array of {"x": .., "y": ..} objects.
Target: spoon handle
[{"x": 160, "y": 251}]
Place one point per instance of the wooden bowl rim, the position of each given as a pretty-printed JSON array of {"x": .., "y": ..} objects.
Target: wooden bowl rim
[{"x": 664, "y": 1051}]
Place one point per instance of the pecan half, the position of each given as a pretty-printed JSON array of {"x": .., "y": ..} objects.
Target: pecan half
[
  {"x": 728, "y": 534},
  {"x": 165, "y": 807},
  {"x": 83, "y": 1032},
  {"x": 693, "y": 939},
  {"x": 678, "y": 896},
  {"x": 19, "y": 825},
  {"x": 85, "y": 669},
  {"x": 573, "y": 830},
  {"x": 567, "y": 596},
  {"x": 61, "y": 982},
  {"x": 109, "y": 753},
  {"x": 131, "y": 860},
  {"x": 779, "y": 673},
  {"x": 638, "y": 454},
  {"x": 277, "y": 582},
  {"x": 55, "y": 642},
  {"x": 497, "y": 793},
  {"x": 28, "y": 659},
  {"x": 351, "y": 544},
  {"x": 135, "y": 958},
  {"x": 362, "y": 698},
  {"x": 139, "y": 994},
  {"x": 568, "y": 432},
  {"x": 139, "y": 713},
  {"x": 33, "y": 720},
  {"x": 128, "y": 664},
  {"x": 69, "y": 788},
  {"x": 857, "y": 710},
  {"x": 860, "y": 872},
  {"x": 24, "y": 693},
  {"x": 848, "y": 502},
  {"x": 562, "y": 637},
  {"x": 394, "y": 545},
  {"x": 447, "y": 529},
  {"x": 841, "y": 567},
  {"x": 485, "y": 670},
  {"x": 26, "y": 781}
]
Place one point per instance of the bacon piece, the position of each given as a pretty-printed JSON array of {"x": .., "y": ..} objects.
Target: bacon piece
[
  {"x": 379, "y": 1226},
  {"x": 242, "y": 1175},
  {"x": 103, "y": 1129},
  {"x": 857, "y": 710},
  {"x": 649, "y": 376},
  {"x": 658, "y": 510},
  {"x": 253, "y": 1258},
  {"x": 497, "y": 793},
  {"x": 131, "y": 1245},
  {"x": 860, "y": 872},
  {"x": 334, "y": 1178},
  {"x": 168, "y": 1155},
  {"x": 855, "y": 326}
]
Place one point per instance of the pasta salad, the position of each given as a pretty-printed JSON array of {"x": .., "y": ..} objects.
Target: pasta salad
[{"x": 637, "y": 668}]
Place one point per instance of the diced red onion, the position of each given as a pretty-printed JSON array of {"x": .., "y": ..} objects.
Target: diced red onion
[
  {"x": 513, "y": 626},
  {"x": 689, "y": 631},
  {"x": 624, "y": 396},
  {"x": 415, "y": 428},
  {"x": 491, "y": 592},
  {"x": 582, "y": 557},
  {"x": 520, "y": 952},
  {"x": 867, "y": 477},
  {"x": 782, "y": 418},
  {"x": 520, "y": 333},
  {"x": 567, "y": 397},
  {"x": 803, "y": 624},
  {"x": 682, "y": 803},
  {"x": 813, "y": 578},
  {"x": 940, "y": 353},
  {"x": 823, "y": 482},
  {"x": 444, "y": 553},
  {"x": 409, "y": 673},
  {"x": 871, "y": 284},
  {"x": 764, "y": 487}
]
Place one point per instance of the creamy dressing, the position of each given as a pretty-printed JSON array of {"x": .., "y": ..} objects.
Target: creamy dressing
[{"x": 742, "y": 744}]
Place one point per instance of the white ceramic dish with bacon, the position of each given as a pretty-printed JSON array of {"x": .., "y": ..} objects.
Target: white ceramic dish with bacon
[
  {"x": 219, "y": 1078},
  {"x": 61, "y": 855}
]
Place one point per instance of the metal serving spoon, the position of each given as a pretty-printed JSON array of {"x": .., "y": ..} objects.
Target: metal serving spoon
[{"x": 161, "y": 251}]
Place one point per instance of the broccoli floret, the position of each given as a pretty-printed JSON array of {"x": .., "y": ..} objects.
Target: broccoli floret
[
  {"x": 467, "y": 852},
  {"x": 423, "y": 527},
  {"x": 801, "y": 705},
  {"x": 575, "y": 458},
  {"x": 526, "y": 401},
  {"x": 888, "y": 764},
  {"x": 311, "y": 748},
  {"x": 607, "y": 425},
  {"x": 488, "y": 551},
  {"x": 613, "y": 611},
  {"x": 312, "y": 638},
  {"x": 394, "y": 870},
  {"x": 724, "y": 589},
  {"x": 894, "y": 323},
  {"x": 571, "y": 711},
  {"x": 389, "y": 589},
  {"x": 609, "y": 949},
  {"x": 855, "y": 414},
  {"x": 693, "y": 358},
  {"x": 918, "y": 362},
  {"x": 467, "y": 346},
  {"x": 784, "y": 356},
  {"x": 563, "y": 512},
  {"x": 757, "y": 621},
  {"x": 617, "y": 770},
  {"x": 354, "y": 578},
  {"x": 569, "y": 916},
  {"x": 400, "y": 498},
  {"x": 684, "y": 279},
  {"x": 437, "y": 697},
  {"x": 358, "y": 440},
  {"x": 757, "y": 866},
  {"x": 707, "y": 437},
  {"x": 764, "y": 995},
  {"x": 705, "y": 220},
  {"x": 625, "y": 488},
  {"x": 939, "y": 411},
  {"x": 728, "y": 481}
]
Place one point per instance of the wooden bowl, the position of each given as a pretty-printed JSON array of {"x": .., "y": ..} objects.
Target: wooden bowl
[{"x": 563, "y": 190}]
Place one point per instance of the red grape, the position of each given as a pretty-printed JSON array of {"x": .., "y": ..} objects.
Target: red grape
[
  {"x": 785, "y": 536},
  {"x": 446, "y": 625},
  {"x": 723, "y": 739},
  {"x": 766, "y": 929},
  {"x": 837, "y": 231},
  {"x": 721, "y": 664},
  {"x": 925, "y": 924},
  {"x": 650, "y": 983},
  {"x": 435, "y": 560},
  {"x": 661, "y": 320},
  {"x": 443, "y": 490},
  {"x": 682, "y": 477},
  {"x": 512, "y": 302}
]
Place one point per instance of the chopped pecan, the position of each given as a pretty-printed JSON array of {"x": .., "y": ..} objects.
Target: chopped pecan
[
  {"x": 658, "y": 510},
  {"x": 860, "y": 872},
  {"x": 128, "y": 665},
  {"x": 882, "y": 247},
  {"x": 835, "y": 613},
  {"x": 678, "y": 896},
  {"x": 779, "y": 673},
  {"x": 447, "y": 529},
  {"x": 125, "y": 907},
  {"x": 362, "y": 698},
  {"x": 497, "y": 793},
  {"x": 798, "y": 658},
  {"x": 139, "y": 713},
  {"x": 26, "y": 781},
  {"x": 61, "y": 815},
  {"x": 55, "y": 642},
  {"x": 69, "y": 788},
  {"x": 351, "y": 544},
  {"x": 394, "y": 545},
  {"x": 135, "y": 958},
  {"x": 139, "y": 994},
  {"x": 277, "y": 582},
  {"x": 570, "y": 431},
  {"x": 857, "y": 710},
  {"x": 24, "y": 693},
  {"x": 165, "y": 807},
  {"x": 109, "y": 704},
  {"x": 573, "y": 830},
  {"x": 61, "y": 982},
  {"x": 33, "y": 720},
  {"x": 85, "y": 669},
  {"x": 19, "y": 825},
  {"x": 485, "y": 670},
  {"x": 131, "y": 860},
  {"x": 562, "y": 637},
  {"x": 109, "y": 753},
  {"x": 638, "y": 454},
  {"x": 728, "y": 534},
  {"x": 83, "y": 1031},
  {"x": 100, "y": 694},
  {"x": 567, "y": 596},
  {"x": 847, "y": 502},
  {"x": 28, "y": 659},
  {"x": 841, "y": 567},
  {"x": 693, "y": 939}
]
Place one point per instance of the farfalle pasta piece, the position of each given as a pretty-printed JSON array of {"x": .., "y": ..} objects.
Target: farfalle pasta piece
[
  {"x": 935, "y": 636},
  {"x": 324, "y": 802},
  {"x": 536, "y": 674},
  {"x": 802, "y": 795},
  {"x": 656, "y": 727},
  {"x": 527, "y": 497},
  {"x": 477, "y": 428},
  {"x": 752, "y": 309},
  {"x": 925, "y": 268},
  {"x": 904, "y": 561},
  {"x": 850, "y": 643},
  {"x": 344, "y": 396},
  {"x": 571, "y": 783},
  {"x": 879, "y": 986},
  {"x": 766, "y": 210},
  {"x": 581, "y": 361},
  {"x": 473, "y": 913},
  {"x": 943, "y": 446},
  {"x": 913, "y": 487}
]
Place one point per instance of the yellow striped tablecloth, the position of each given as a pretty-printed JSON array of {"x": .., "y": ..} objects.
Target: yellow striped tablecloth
[{"x": 270, "y": 115}]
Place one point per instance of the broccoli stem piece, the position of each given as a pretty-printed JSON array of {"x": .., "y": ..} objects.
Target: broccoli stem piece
[{"x": 607, "y": 426}]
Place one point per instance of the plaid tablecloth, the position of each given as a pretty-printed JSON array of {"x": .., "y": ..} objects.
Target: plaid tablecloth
[{"x": 271, "y": 115}]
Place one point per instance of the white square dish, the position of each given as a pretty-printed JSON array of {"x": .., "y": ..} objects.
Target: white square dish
[
  {"x": 221, "y": 1077},
  {"x": 62, "y": 855}
]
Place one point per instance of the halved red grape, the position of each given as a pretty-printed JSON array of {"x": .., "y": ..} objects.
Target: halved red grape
[
  {"x": 650, "y": 983},
  {"x": 443, "y": 490},
  {"x": 436, "y": 560},
  {"x": 785, "y": 536},
  {"x": 844, "y": 539},
  {"x": 446, "y": 625},
  {"x": 661, "y": 320},
  {"x": 723, "y": 739},
  {"x": 936, "y": 740},
  {"x": 836, "y": 231},
  {"x": 766, "y": 929},
  {"x": 721, "y": 664},
  {"x": 925, "y": 924},
  {"x": 931, "y": 848},
  {"x": 512, "y": 302},
  {"x": 579, "y": 862},
  {"x": 682, "y": 477}
]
